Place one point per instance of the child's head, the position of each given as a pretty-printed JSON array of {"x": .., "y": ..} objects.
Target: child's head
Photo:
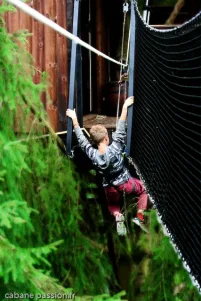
[{"x": 99, "y": 134}]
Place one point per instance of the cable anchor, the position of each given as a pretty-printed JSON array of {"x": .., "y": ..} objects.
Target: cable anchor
[
  {"x": 71, "y": 155},
  {"x": 125, "y": 7}
]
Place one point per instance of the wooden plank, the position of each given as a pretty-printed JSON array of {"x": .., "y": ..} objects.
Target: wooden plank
[
  {"x": 49, "y": 50},
  {"x": 5, "y": 16},
  {"x": 25, "y": 23},
  {"x": 62, "y": 70},
  {"x": 50, "y": 62},
  {"x": 93, "y": 119},
  {"x": 13, "y": 22},
  {"x": 38, "y": 42}
]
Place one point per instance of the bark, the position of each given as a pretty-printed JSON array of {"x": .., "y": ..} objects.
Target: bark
[{"x": 175, "y": 12}]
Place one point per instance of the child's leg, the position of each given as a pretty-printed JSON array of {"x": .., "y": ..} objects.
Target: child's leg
[
  {"x": 135, "y": 186},
  {"x": 113, "y": 198},
  {"x": 142, "y": 198},
  {"x": 141, "y": 194}
]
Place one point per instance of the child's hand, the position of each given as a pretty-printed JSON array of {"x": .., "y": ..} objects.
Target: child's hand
[
  {"x": 129, "y": 101},
  {"x": 71, "y": 114},
  {"x": 124, "y": 77}
]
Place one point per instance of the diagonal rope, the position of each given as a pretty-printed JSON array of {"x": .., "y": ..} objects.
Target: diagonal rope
[{"x": 41, "y": 18}]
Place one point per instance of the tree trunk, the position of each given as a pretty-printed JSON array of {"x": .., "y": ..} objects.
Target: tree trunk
[{"x": 175, "y": 12}]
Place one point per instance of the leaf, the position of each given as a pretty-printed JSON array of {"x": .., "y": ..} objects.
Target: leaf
[
  {"x": 92, "y": 185},
  {"x": 92, "y": 172},
  {"x": 90, "y": 196},
  {"x": 19, "y": 220}
]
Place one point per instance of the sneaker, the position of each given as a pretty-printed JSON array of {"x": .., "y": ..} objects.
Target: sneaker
[
  {"x": 140, "y": 216},
  {"x": 121, "y": 228}
]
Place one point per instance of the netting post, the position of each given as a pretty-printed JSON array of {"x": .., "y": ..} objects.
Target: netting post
[
  {"x": 72, "y": 76},
  {"x": 79, "y": 96},
  {"x": 131, "y": 76}
]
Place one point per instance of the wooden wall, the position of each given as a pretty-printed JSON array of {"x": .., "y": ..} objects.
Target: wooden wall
[{"x": 50, "y": 52}]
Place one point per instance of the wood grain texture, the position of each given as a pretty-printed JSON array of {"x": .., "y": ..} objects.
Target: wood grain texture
[
  {"x": 50, "y": 53},
  {"x": 62, "y": 65},
  {"x": 93, "y": 119}
]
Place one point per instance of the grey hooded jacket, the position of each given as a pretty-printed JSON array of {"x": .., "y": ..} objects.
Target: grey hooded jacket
[{"x": 110, "y": 164}]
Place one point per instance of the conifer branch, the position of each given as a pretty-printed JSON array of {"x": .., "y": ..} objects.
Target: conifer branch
[
  {"x": 96, "y": 245},
  {"x": 46, "y": 123}
]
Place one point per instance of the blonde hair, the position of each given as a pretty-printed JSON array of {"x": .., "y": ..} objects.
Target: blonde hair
[{"x": 98, "y": 133}]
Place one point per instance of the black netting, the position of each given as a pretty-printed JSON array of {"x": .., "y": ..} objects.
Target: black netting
[{"x": 166, "y": 133}]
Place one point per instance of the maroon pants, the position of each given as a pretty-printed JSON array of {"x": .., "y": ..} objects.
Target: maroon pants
[{"x": 132, "y": 186}]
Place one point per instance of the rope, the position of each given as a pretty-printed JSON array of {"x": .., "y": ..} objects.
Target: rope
[
  {"x": 44, "y": 136},
  {"x": 36, "y": 15},
  {"x": 125, "y": 5},
  {"x": 127, "y": 56}
]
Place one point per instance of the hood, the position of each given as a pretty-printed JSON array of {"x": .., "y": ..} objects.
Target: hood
[{"x": 102, "y": 160}]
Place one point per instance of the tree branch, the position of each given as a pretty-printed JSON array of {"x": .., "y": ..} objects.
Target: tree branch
[
  {"x": 175, "y": 12},
  {"x": 46, "y": 123}
]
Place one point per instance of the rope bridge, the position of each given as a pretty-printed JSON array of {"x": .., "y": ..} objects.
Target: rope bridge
[{"x": 166, "y": 130}]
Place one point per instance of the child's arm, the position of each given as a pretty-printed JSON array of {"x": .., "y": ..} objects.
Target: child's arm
[
  {"x": 119, "y": 137},
  {"x": 129, "y": 101},
  {"x": 82, "y": 140}
]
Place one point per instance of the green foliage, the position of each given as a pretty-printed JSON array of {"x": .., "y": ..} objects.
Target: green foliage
[
  {"x": 160, "y": 273},
  {"x": 43, "y": 232}
]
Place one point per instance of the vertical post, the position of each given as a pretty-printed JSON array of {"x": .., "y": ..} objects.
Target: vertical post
[
  {"x": 90, "y": 60},
  {"x": 79, "y": 98},
  {"x": 131, "y": 76},
  {"x": 72, "y": 76}
]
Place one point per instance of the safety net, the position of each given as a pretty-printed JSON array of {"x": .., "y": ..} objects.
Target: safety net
[{"x": 166, "y": 130}]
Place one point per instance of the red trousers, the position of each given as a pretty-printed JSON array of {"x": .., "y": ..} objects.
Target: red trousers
[{"x": 132, "y": 186}]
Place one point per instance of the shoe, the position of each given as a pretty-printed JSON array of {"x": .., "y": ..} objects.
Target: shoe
[
  {"x": 140, "y": 222},
  {"x": 121, "y": 228},
  {"x": 140, "y": 216}
]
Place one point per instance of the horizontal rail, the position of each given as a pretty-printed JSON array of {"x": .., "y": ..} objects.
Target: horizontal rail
[
  {"x": 42, "y": 137},
  {"x": 164, "y": 25}
]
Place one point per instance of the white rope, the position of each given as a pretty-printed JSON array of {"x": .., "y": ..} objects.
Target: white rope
[
  {"x": 36, "y": 15},
  {"x": 41, "y": 137},
  {"x": 128, "y": 47},
  {"x": 122, "y": 53}
]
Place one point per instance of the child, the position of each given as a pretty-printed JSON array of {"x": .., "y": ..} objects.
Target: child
[{"x": 110, "y": 164}]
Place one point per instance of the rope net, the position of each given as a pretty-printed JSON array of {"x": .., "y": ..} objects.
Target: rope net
[{"x": 166, "y": 131}]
